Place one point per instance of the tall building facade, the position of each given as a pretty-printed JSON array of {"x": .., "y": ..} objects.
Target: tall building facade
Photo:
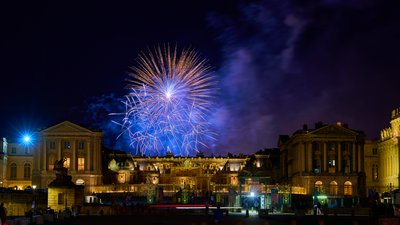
[
  {"x": 329, "y": 160},
  {"x": 372, "y": 166},
  {"x": 3, "y": 161},
  {"x": 80, "y": 148},
  {"x": 326, "y": 162},
  {"x": 16, "y": 163},
  {"x": 388, "y": 149},
  {"x": 19, "y": 165}
]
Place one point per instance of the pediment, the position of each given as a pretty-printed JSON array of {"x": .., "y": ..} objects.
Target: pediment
[
  {"x": 66, "y": 127},
  {"x": 334, "y": 130}
]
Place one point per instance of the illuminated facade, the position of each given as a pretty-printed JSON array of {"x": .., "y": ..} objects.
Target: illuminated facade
[
  {"x": 227, "y": 179},
  {"x": 325, "y": 161},
  {"x": 16, "y": 163},
  {"x": 81, "y": 149},
  {"x": 173, "y": 173},
  {"x": 20, "y": 165},
  {"x": 330, "y": 160},
  {"x": 388, "y": 149},
  {"x": 371, "y": 165}
]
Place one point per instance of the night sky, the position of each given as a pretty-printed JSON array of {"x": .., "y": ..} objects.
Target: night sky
[{"x": 279, "y": 64}]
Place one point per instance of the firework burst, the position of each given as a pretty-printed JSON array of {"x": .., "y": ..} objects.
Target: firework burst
[{"x": 169, "y": 102}]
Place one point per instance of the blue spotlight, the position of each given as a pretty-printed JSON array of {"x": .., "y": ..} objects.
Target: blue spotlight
[{"x": 27, "y": 139}]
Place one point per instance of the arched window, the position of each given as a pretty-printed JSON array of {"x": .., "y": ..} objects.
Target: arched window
[
  {"x": 13, "y": 174},
  {"x": 318, "y": 186},
  {"x": 333, "y": 188},
  {"x": 27, "y": 171},
  {"x": 348, "y": 188}
]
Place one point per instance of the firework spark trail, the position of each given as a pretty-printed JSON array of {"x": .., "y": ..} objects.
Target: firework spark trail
[{"x": 169, "y": 102}]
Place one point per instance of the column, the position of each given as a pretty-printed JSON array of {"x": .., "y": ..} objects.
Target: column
[
  {"x": 99, "y": 159},
  {"x": 38, "y": 155},
  {"x": 59, "y": 155},
  {"x": 354, "y": 157},
  {"x": 89, "y": 155},
  {"x": 304, "y": 160},
  {"x": 305, "y": 157},
  {"x": 73, "y": 156},
  {"x": 44, "y": 154},
  {"x": 339, "y": 157},
  {"x": 324, "y": 158},
  {"x": 362, "y": 158},
  {"x": 358, "y": 157},
  {"x": 309, "y": 156},
  {"x": 95, "y": 146}
]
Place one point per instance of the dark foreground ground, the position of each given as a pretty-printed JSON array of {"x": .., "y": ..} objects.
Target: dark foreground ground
[{"x": 231, "y": 219}]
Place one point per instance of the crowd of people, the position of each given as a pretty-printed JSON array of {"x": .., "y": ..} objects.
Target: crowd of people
[{"x": 3, "y": 214}]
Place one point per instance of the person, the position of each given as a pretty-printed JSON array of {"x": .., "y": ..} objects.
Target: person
[{"x": 3, "y": 214}]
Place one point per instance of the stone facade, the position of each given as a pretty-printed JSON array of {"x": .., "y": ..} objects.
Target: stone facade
[
  {"x": 16, "y": 163},
  {"x": 331, "y": 159},
  {"x": 388, "y": 149},
  {"x": 327, "y": 160},
  {"x": 80, "y": 147},
  {"x": 174, "y": 173},
  {"x": 371, "y": 165}
]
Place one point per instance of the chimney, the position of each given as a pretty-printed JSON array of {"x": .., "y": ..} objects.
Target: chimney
[{"x": 318, "y": 125}]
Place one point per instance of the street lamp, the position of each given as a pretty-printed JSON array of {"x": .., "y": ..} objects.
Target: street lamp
[
  {"x": 33, "y": 196},
  {"x": 27, "y": 139}
]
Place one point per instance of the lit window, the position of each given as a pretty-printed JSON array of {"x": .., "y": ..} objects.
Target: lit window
[
  {"x": 333, "y": 188},
  {"x": 13, "y": 174},
  {"x": 348, "y": 188},
  {"x": 27, "y": 171},
  {"x": 81, "y": 164},
  {"x": 67, "y": 163},
  {"x": 318, "y": 186},
  {"x": 67, "y": 145}
]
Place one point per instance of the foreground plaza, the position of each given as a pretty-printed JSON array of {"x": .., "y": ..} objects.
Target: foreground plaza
[{"x": 190, "y": 217}]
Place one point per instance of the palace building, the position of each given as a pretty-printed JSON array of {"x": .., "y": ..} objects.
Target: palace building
[
  {"x": 330, "y": 161},
  {"x": 389, "y": 156},
  {"x": 326, "y": 162},
  {"x": 16, "y": 162},
  {"x": 78, "y": 146}
]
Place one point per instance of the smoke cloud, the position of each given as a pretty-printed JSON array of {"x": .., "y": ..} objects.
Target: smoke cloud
[{"x": 287, "y": 64}]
